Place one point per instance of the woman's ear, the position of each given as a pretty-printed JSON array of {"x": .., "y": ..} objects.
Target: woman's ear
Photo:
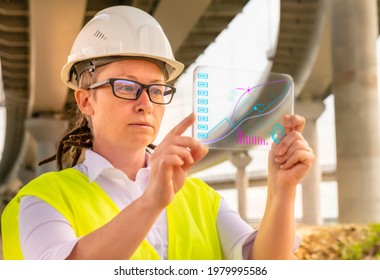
[{"x": 84, "y": 100}]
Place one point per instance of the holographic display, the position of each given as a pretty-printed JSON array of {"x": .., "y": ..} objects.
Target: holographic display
[{"x": 240, "y": 109}]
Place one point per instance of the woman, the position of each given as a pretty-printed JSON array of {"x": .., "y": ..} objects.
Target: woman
[{"x": 125, "y": 201}]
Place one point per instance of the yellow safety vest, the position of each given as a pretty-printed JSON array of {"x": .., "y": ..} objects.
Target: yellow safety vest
[{"x": 191, "y": 216}]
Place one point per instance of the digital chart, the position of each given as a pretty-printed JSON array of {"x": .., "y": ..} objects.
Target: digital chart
[{"x": 240, "y": 109}]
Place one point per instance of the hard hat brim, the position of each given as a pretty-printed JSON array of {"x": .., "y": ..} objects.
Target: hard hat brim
[{"x": 176, "y": 68}]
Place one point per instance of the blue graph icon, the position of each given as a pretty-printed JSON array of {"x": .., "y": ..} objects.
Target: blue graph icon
[{"x": 278, "y": 133}]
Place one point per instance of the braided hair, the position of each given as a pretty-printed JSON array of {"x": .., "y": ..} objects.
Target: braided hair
[
  {"x": 70, "y": 147},
  {"x": 78, "y": 135}
]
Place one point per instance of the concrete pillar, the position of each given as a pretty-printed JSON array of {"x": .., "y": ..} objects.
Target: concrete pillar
[
  {"x": 311, "y": 110},
  {"x": 353, "y": 36},
  {"x": 240, "y": 160},
  {"x": 46, "y": 132}
]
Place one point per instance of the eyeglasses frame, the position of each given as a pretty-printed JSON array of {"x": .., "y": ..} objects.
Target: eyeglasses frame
[{"x": 111, "y": 82}]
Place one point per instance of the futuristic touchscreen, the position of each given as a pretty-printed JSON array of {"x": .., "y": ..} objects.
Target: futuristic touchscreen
[{"x": 238, "y": 109}]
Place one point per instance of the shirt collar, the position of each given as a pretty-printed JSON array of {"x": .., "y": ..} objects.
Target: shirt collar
[{"x": 96, "y": 164}]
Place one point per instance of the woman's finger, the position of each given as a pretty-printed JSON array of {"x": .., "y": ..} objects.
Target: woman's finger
[
  {"x": 296, "y": 145},
  {"x": 180, "y": 128},
  {"x": 303, "y": 157},
  {"x": 285, "y": 143},
  {"x": 293, "y": 122}
]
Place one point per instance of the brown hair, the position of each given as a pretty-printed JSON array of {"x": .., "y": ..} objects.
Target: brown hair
[{"x": 77, "y": 137}]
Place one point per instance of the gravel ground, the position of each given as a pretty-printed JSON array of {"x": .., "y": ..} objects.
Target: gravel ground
[{"x": 335, "y": 242}]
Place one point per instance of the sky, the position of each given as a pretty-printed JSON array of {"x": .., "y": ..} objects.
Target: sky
[{"x": 245, "y": 45}]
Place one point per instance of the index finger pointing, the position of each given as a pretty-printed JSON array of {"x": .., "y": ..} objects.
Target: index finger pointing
[{"x": 183, "y": 125}]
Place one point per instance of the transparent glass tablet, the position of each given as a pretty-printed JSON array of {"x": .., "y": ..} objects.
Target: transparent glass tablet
[{"x": 238, "y": 109}]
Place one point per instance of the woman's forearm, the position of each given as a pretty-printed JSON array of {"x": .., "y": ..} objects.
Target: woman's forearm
[{"x": 275, "y": 238}]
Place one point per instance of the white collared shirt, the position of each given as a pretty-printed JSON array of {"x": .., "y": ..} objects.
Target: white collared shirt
[{"x": 46, "y": 234}]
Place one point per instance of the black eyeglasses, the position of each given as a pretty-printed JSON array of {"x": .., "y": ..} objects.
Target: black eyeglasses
[{"x": 131, "y": 90}]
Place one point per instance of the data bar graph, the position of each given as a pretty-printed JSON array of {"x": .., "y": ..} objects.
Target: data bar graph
[{"x": 250, "y": 139}]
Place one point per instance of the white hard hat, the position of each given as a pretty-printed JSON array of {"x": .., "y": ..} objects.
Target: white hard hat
[{"x": 116, "y": 33}]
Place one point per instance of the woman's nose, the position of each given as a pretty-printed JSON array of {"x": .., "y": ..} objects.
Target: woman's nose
[{"x": 144, "y": 102}]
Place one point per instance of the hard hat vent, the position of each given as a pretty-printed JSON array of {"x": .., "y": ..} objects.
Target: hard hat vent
[
  {"x": 99, "y": 34},
  {"x": 120, "y": 32}
]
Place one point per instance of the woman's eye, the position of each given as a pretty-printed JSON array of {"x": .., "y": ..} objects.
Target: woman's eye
[
  {"x": 125, "y": 89},
  {"x": 128, "y": 88},
  {"x": 156, "y": 91}
]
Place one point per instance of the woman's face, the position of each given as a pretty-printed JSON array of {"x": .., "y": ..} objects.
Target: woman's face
[{"x": 131, "y": 124}]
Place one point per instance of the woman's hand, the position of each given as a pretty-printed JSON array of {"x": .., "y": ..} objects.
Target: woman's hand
[
  {"x": 288, "y": 163},
  {"x": 171, "y": 161},
  {"x": 290, "y": 160}
]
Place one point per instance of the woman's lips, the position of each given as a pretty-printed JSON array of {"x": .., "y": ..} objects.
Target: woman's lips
[{"x": 141, "y": 124}]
